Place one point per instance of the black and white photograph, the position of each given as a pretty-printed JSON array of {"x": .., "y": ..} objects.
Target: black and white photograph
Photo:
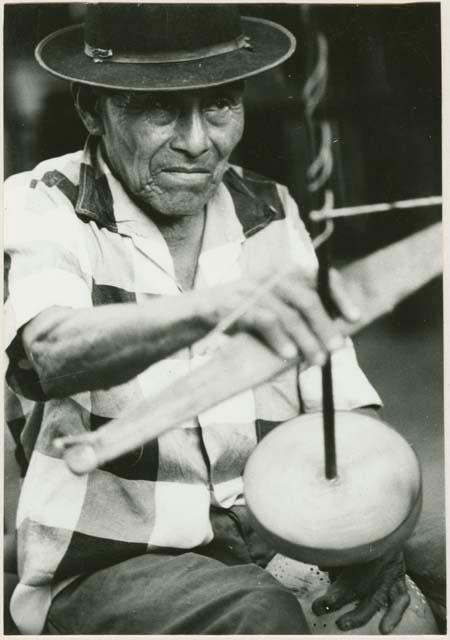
[{"x": 223, "y": 319}]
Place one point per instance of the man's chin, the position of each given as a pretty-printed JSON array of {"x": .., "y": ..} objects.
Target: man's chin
[{"x": 185, "y": 202}]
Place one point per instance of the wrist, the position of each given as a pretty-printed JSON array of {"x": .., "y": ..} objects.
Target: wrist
[{"x": 206, "y": 309}]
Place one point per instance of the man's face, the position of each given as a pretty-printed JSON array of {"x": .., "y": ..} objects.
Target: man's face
[{"x": 170, "y": 150}]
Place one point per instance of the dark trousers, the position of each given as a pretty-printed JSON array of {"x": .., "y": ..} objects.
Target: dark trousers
[{"x": 220, "y": 588}]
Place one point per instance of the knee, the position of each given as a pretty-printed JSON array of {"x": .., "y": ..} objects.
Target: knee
[
  {"x": 279, "y": 612},
  {"x": 267, "y": 608}
]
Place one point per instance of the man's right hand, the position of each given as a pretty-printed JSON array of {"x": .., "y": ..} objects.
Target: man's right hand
[{"x": 290, "y": 318}]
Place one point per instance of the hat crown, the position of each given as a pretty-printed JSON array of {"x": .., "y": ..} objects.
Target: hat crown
[{"x": 160, "y": 28}]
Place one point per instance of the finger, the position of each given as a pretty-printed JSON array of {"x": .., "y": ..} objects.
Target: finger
[
  {"x": 81, "y": 458},
  {"x": 400, "y": 600},
  {"x": 309, "y": 277},
  {"x": 265, "y": 324},
  {"x": 333, "y": 572},
  {"x": 341, "y": 298},
  {"x": 336, "y": 597},
  {"x": 359, "y": 616},
  {"x": 307, "y": 302},
  {"x": 296, "y": 328}
]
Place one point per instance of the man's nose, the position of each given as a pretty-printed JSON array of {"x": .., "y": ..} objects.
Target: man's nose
[{"x": 192, "y": 135}]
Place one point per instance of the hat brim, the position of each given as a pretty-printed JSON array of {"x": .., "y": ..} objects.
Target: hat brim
[{"x": 62, "y": 54}]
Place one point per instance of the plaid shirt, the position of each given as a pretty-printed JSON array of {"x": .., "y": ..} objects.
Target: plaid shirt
[{"x": 75, "y": 239}]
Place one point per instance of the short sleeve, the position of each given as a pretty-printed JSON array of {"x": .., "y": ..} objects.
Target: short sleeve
[
  {"x": 351, "y": 388},
  {"x": 45, "y": 264}
]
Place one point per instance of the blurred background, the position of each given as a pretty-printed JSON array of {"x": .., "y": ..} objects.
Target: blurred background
[{"x": 383, "y": 104}]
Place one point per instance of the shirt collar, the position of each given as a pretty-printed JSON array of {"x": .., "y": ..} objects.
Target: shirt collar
[
  {"x": 94, "y": 200},
  {"x": 102, "y": 198}
]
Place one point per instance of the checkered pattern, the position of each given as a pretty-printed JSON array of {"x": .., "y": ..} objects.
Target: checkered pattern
[{"x": 74, "y": 238}]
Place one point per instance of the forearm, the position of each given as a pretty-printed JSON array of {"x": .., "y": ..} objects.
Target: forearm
[{"x": 75, "y": 350}]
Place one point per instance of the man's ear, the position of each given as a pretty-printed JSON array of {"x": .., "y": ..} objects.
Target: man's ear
[{"x": 87, "y": 104}]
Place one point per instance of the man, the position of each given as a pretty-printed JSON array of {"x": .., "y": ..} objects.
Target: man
[{"x": 120, "y": 258}]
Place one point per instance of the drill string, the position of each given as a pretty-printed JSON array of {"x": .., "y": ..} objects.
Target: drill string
[
  {"x": 399, "y": 205},
  {"x": 316, "y": 84},
  {"x": 321, "y": 168}
]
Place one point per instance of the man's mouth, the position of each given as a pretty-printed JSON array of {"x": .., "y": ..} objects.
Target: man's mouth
[
  {"x": 189, "y": 176},
  {"x": 186, "y": 170}
]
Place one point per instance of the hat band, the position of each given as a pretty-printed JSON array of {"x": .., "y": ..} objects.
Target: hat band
[{"x": 107, "y": 55}]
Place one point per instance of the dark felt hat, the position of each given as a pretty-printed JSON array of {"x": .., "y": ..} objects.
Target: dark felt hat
[{"x": 164, "y": 46}]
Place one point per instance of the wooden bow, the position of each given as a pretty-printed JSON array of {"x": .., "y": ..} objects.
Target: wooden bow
[{"x": 376, "y": 284}]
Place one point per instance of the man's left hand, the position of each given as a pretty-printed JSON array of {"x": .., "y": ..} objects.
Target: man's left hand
[{"x": 376, "y": 584}]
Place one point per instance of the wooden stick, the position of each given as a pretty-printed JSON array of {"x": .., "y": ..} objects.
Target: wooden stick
[
  {"x": 328, "y": 422},
  {"x": 376, "y": 284},
  {"x": 329, "y": 435}
]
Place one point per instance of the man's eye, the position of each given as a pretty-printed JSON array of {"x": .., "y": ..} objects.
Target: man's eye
[
  {"x": 161, "y": 105},
  {"x": 151, "y": 106},
  {"x": 220, "y": 104}
]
